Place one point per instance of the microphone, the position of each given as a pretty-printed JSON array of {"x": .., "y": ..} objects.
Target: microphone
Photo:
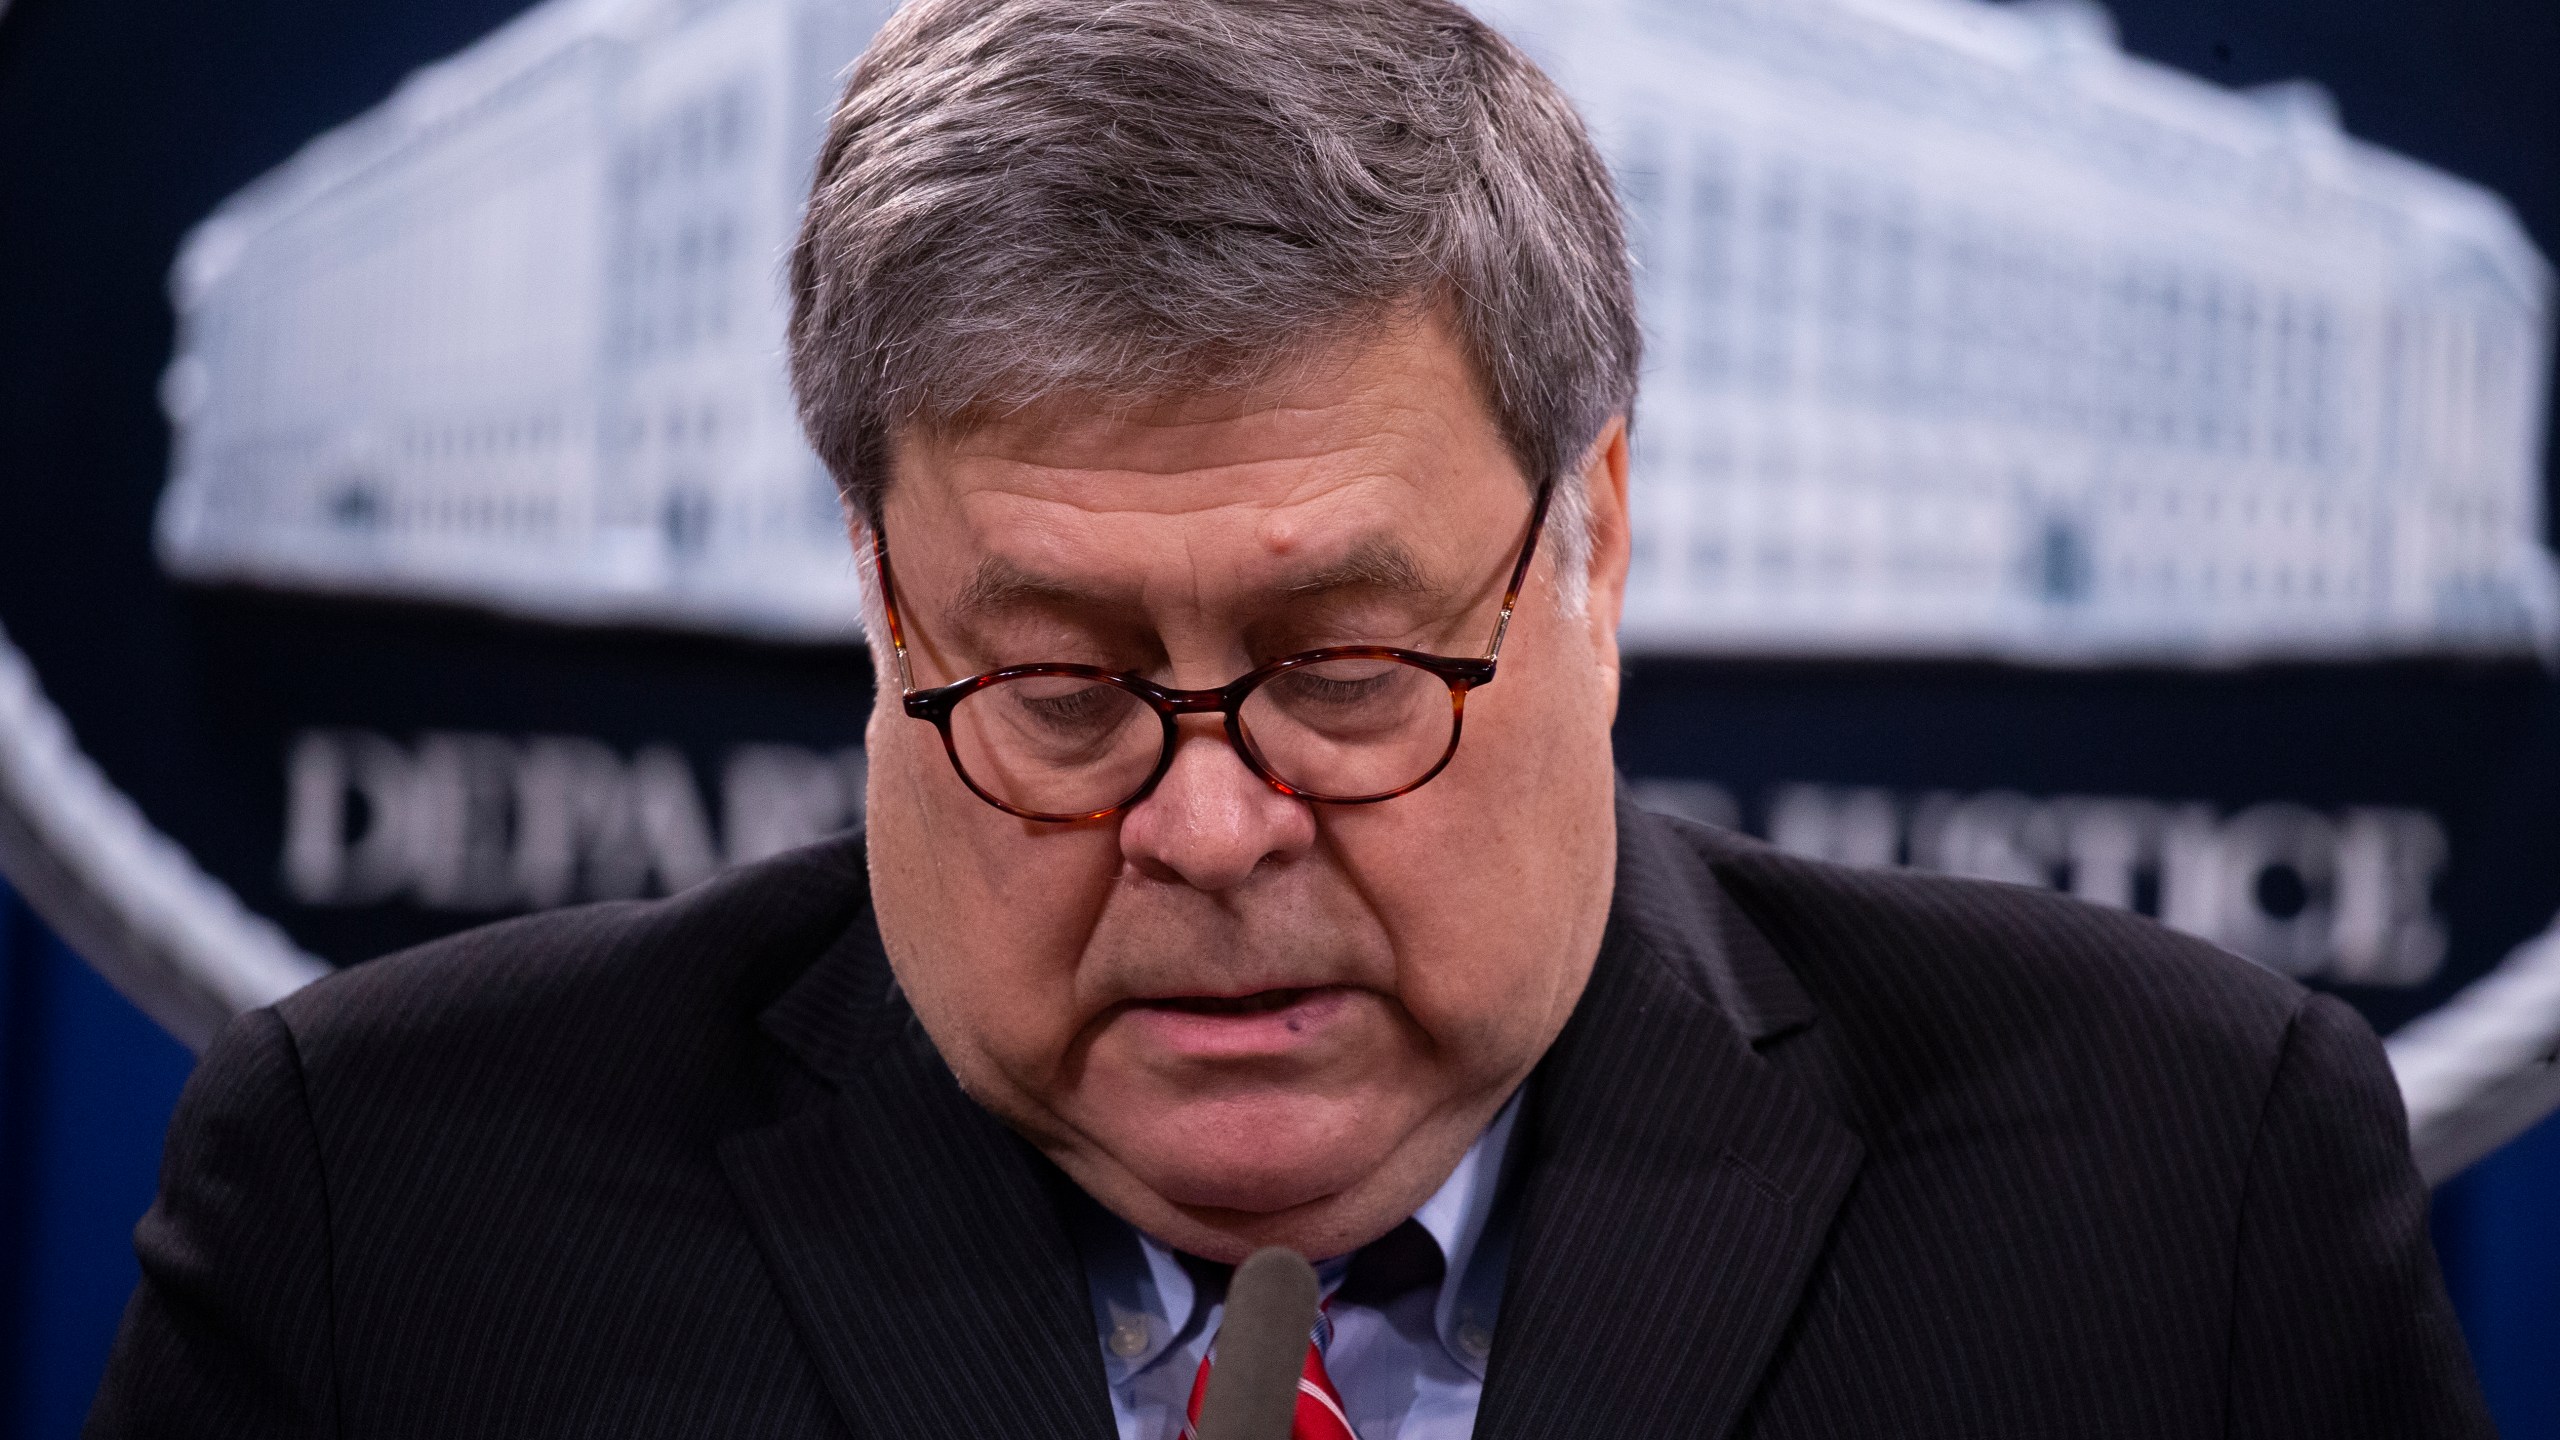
[{"x": 1262, "y": 1348}]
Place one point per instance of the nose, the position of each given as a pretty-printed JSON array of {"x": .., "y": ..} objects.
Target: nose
[{"x": 1211, "y": 822}]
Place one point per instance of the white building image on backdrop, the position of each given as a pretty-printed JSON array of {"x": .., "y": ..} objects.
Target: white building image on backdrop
[{"x": 1969, "y": 336}]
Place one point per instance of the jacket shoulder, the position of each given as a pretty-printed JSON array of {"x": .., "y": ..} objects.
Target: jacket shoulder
[
  {"x": 1933, "y": 986},
  {"x": 629, "y": 985}
]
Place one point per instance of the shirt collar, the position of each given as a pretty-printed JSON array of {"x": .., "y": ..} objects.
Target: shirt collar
[
  {"x": 1462, "y": 1216},
  {"x": 1147, "y": 1300}
]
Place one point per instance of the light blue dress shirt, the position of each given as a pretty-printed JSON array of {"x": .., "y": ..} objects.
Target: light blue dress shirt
[{"x": 1412, "y": 1370}]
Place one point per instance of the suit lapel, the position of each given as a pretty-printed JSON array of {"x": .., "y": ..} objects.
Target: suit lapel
[
  {"x": 912, "y": 1235},
  {"x": 1679, "y": 1190}
]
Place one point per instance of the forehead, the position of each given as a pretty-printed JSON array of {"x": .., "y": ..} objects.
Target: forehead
[{"x": 1365, "y": 460}]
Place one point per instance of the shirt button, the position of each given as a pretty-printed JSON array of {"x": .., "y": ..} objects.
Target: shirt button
[
  {"x": 1475, "y": 1339},
  {"x": 1129, "y": 1338}
]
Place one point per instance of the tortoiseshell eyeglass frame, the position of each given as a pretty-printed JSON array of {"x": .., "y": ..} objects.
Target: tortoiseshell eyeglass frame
[{"x": 1459, "y": 674}]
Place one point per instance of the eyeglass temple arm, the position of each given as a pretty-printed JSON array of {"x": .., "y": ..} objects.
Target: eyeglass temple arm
[
  {"x": 889, "y": 605},
  {"x": 1510, "y": 596}
]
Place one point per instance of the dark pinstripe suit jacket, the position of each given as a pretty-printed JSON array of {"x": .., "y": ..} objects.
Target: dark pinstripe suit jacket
[{"x": 1822, "y": 1153}]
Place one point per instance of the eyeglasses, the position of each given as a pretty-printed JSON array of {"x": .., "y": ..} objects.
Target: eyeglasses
[{"x": 1344, "y": 725}]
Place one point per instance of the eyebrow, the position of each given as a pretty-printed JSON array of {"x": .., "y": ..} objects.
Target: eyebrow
[
  {"x": 999, "y": 585},
  {"x": 1375, "y": 565}
]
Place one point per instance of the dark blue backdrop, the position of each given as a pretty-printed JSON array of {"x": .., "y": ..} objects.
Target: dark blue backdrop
[{"x": 86, "y": 1084}]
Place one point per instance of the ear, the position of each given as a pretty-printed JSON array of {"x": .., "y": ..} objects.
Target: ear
[{"x": 1604, "y": 483}]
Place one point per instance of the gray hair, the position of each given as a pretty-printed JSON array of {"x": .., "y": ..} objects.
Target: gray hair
[{"x": 1132, "y": 200}]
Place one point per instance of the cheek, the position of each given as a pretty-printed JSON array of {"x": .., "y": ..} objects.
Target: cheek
[
  {"x": 1468, "y": 889},
  {"x": 1486, "y": 996},
  {"x": 903, "y": 753},
  {"x": 990, "y": 917},
  {"x": 1489, "y": 879}
]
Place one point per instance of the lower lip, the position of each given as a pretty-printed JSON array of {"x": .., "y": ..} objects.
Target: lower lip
[{"x": 1214, "y": 1034}]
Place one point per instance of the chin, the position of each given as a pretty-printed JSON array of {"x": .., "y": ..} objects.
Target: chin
[
  {"x": 1257, "y": 1166},
  {"x": 1262, "y": 1190}
]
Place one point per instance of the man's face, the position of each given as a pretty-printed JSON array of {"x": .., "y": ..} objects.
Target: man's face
[{"x": 1234, "y": 1017}]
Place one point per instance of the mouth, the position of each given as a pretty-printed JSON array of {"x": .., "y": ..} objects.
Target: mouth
[
  {"x": 1265, "y": 1024},
  {"x": 1261, "y": 1002}
]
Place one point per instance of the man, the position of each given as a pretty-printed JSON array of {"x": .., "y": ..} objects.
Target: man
[{"x": 1231, "y": 396}]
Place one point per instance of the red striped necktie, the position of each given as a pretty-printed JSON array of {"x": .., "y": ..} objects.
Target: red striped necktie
[{"x": 1320, "y": 1415}]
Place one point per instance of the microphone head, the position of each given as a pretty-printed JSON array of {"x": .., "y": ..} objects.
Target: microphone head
[{"x": 1262, "y": 1348}]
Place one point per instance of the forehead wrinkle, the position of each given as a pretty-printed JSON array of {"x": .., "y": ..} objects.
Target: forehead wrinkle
[
  {"x": 1068, "y": 455},
  {"x": 1375, "y": 563},
  {"x": 1261, "y": 483}
]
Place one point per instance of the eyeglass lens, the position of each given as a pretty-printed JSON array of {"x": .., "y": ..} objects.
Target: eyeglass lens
[{"x": 1346, "y": 728}]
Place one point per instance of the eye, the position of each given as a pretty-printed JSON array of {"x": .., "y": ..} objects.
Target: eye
[
  {"x": 1337, "y": 685},
  {"x": 1347, "y": 700},
  {"x": 1067, "y": 706}
]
